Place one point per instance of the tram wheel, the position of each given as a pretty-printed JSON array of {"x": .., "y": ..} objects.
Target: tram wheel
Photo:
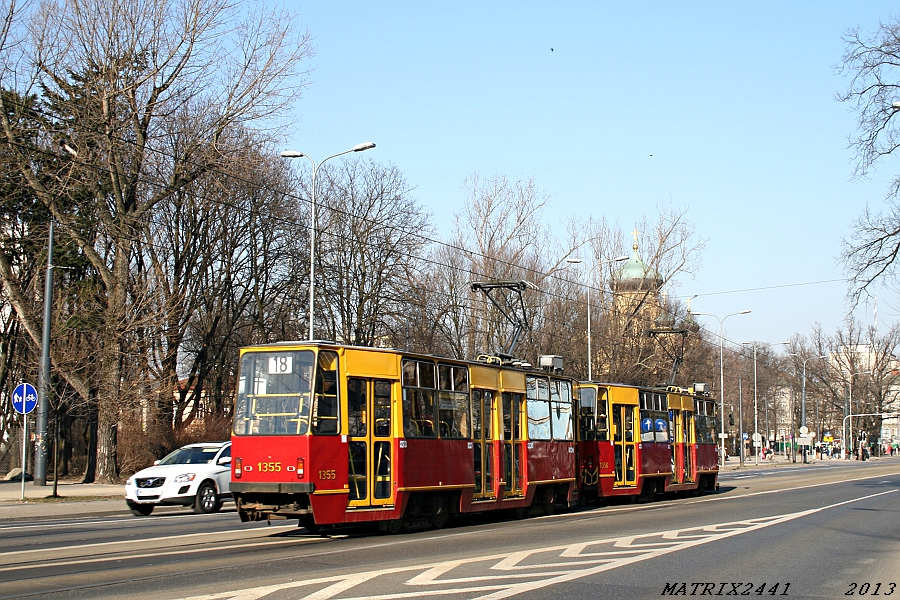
[
  {"x": 394, "y": 526},
  {"x": 310, "y": 526},
  {"x": 440, "y": 512},
  {"x": 520, "y": 513},
  {"x": 549, "y": 504}
]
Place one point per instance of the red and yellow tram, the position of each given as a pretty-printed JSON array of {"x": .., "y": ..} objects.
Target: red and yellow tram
[
  {"x": 333, "y": 434},
  {"x": 636, "y": 441}
]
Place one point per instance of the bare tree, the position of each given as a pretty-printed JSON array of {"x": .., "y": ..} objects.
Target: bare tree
[
  {"x": 857, "y": 356},
  {"x": 870, "y": 62},
  {"x": 141, "y": 96},
  {"x": 373, "y": 236},
  {"x": 503, "y": 236}
]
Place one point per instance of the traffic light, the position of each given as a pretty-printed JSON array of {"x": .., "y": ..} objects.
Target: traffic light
[{"x": 731, "y": 418}]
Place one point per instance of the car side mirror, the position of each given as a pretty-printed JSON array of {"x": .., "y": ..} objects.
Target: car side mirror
[
  {"x": 155, "y": 462},
  {"x": 225, "y": 460}
]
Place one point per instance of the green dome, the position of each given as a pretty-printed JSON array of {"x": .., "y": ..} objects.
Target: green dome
[{"x": 636, "y": 275}]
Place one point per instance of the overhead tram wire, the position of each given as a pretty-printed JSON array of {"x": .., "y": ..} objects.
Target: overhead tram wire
[
  {"x": 338, "y": 211},
  {"x": 392, "y": 226},
  {"x": 414, "y": 233}
]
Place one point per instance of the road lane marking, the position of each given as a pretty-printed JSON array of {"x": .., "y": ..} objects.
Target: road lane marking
[
  {"x": 499, "y": 576},
  {"x": 18, "y": 557},
  {"x": 86, "y": 561}
]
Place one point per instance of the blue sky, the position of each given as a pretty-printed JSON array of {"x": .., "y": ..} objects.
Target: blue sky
[{"x": 725, "y": 109}]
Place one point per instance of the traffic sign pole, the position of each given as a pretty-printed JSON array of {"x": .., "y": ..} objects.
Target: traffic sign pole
[
  {"x": 24, "y": 437},
  {"x": 24, "y": 399}
]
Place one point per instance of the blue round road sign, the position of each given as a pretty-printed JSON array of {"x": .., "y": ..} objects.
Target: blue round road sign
[{"x": 24, "y": 398}]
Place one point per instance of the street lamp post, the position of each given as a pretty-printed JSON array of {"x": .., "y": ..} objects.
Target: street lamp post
[
  {"x": 803, "y": 395},
  {"x": 312, "y": 219},
  {"x": 849, "y": 438},
  {"x": 756, "y": 406},
  {"x": 577, "y": 261},
  {"x": 721, "y": 374}
]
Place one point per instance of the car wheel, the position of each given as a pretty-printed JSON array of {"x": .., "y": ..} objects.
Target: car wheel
[
  {"x": 140, "y": 510},
  {"x": 207, "y": 500}
]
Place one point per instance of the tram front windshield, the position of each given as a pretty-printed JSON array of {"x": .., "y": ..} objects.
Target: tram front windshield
[{"x": 273, "y": 396}]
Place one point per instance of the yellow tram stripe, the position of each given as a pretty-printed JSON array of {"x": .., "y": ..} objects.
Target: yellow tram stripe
[
  {"x": 546, "y": 481},
  {"x": 426, "y": 488},
  {"x": 329, "y": 492}
]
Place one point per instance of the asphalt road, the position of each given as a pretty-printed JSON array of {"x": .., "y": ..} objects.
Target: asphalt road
[{"x": 817, "y": 531}]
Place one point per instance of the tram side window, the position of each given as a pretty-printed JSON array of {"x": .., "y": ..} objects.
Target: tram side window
[
  {"x": 476, "y": 414},
  {"x": 487, "y": 415},
  {"x": 587, "y": 410},
  {"x": 602, "y": 417},
  {"x": 356, "y": 407},
  {"x": 418, "y": 399},
  {"x": 453, "y": 401},
  {"x": 538, "y": 407},
  {"x": 646, "y": 405},
  {"x": 705, "y": 422},
  {"x": 326, "y": 405},
  {"x": 661, "y": 426},
  {"x": 382, "y": 408},
  {"x": 561, "y": 410}
]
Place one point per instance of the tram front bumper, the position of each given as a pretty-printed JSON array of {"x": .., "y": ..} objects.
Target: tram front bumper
[
  {"x": 248, "y": 487},
  {"x": 257, "y": 501}
]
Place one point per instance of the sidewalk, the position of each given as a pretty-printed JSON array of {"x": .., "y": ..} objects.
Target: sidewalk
[
  {"x": 77, "y": 499},
  {"x": 733, "y": 463}
]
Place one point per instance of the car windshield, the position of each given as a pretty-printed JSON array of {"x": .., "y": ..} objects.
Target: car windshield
[{"x": 193, "y": 455}]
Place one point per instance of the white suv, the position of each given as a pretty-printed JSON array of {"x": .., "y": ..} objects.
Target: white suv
[{"x": 196, "y": 475}]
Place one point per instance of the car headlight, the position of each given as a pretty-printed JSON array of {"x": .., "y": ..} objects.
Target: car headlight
[
  {"x": 184, "y": 477},
  {"x": 128, "y": 481}
]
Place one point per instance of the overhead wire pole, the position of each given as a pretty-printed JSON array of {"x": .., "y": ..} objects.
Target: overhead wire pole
[
  {"x": 43, "y": 409},
  {"x": 599, "y": 264},
  {"x": 756, "y": 407},
  {"x": 721, "y": 376},
  {"x": 849, "y": 438},
  {"x": 803, "y": 399}
]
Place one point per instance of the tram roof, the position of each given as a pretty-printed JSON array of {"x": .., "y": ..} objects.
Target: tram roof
[{"x": 421, "y": 355}]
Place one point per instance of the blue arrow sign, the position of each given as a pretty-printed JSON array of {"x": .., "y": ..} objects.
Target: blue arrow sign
[{"x": 24, "y": 398}]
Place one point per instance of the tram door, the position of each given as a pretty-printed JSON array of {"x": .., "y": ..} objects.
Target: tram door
[
  {"x": 687, "y": 426},
  {"x": 676, "y": 442},
  {"x": 512, "y": 444},
  {"x": 370, "y": 476},
  {"x": 623, "y": 443},
  {"x": 484, "y": 450}
]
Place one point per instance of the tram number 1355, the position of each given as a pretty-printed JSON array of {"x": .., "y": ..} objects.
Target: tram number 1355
[
  {"x": 328, "y": 474},
  {"x": 268, "y": 467}
]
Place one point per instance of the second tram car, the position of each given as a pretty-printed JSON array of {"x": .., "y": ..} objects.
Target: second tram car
[
  {"x": 333, "y": 434},
  {"x": 636, "y": 441}
]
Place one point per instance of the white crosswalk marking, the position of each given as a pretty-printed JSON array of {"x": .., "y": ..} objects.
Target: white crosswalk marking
[{"x": 497, "y": 576}]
